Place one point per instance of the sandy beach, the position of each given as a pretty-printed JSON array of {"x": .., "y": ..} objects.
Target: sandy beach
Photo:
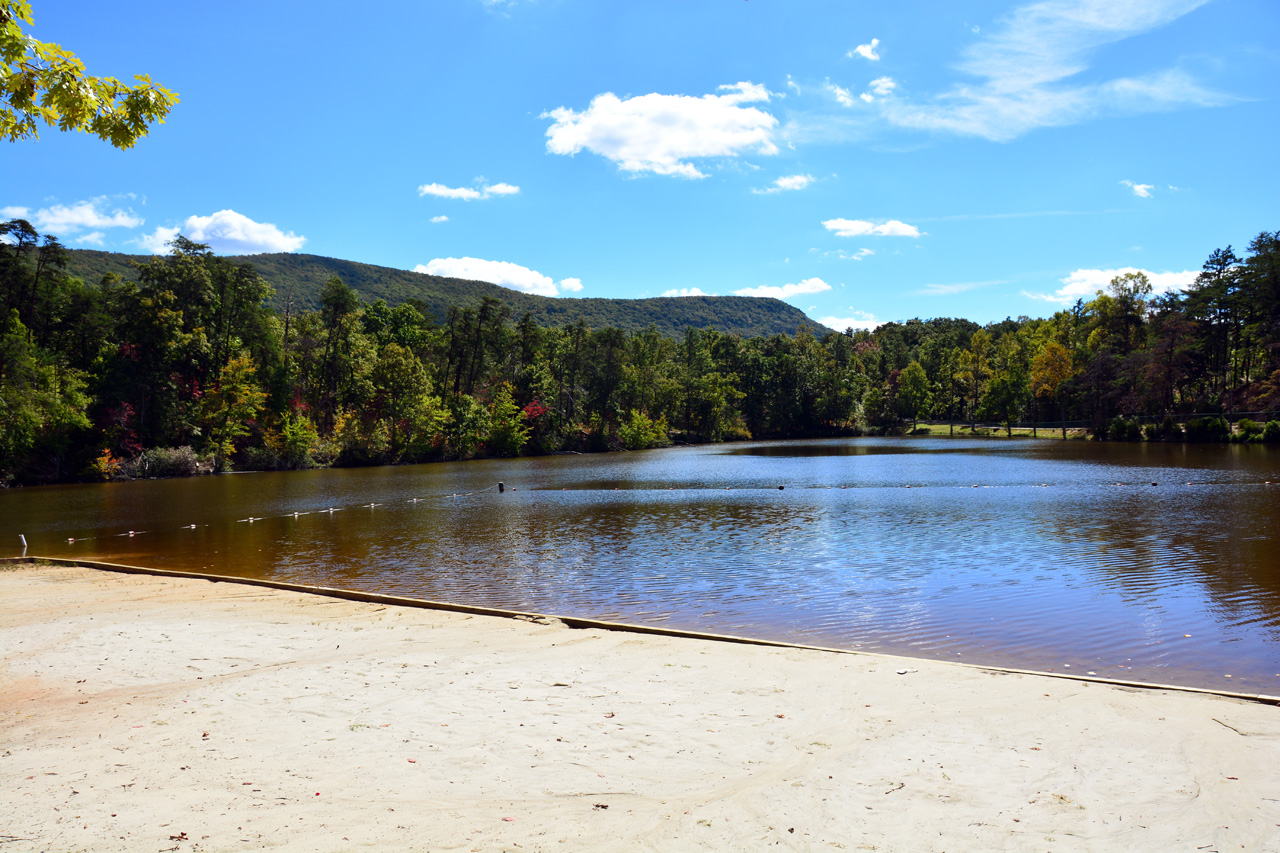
[{"x": 155, "y": 713}]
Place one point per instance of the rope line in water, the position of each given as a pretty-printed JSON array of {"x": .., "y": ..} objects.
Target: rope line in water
[{"x": 71, "y": 540}]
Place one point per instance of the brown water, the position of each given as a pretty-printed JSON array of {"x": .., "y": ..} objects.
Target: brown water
[{"x": 1153, "y": 562}]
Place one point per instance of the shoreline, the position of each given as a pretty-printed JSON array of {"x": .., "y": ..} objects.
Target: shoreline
[
  {"x": 137, "y": 705},
  {"x": 579, "y": 622}
]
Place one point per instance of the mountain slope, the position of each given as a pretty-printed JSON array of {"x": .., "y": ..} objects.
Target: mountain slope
[{"x": 299, "y": 278}]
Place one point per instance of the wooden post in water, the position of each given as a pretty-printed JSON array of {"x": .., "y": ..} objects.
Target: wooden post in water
[{"x": 502, "y": 487}]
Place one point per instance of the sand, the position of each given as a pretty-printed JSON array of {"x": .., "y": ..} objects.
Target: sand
[{"x": 143, "y": 713}]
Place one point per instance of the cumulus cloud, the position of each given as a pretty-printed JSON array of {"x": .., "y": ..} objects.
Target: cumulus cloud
[
  {"x": 858, "y": 321},
  {"x": 786, "y": 291},
  {"x": 15, "y": 212},
  {"x": 225, "y": 232},
  {"x": 843, "y": 96},
  {"x": 866, "y": 51},
  {"x": 93, "y": 237},
  {"x": 91, "y": 214},
  {"x": 789, "y": 182},
  {"x": 883, "y": 86},
  {"x": 1085, "y": 283},
  {"x": 1140, "y": 190},
  {"x": 861, "y": 227},
  {"x": 662, "y": 133},
  {"x": 438, "y": 219},
  {"x": 685, "y": 291},
  {"x": 157, "y": 241},
  {"x": 502, "y": 273},
  {"x": 467, "y": 193},
  {"x": 1030, "y": 72},
  {"x": 572, "y": 285}
]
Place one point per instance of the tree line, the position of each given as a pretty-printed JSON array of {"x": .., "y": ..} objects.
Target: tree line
[{"x": 184, "y": 365}]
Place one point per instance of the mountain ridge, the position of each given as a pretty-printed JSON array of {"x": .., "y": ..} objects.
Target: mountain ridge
[{"x": 298, "y": 278}]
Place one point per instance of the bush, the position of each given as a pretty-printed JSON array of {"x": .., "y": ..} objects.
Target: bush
[
  {"x": 1271, "y": 432},
  {"x": 1121, "y": 430},
  {"x": 1208, "y": 429},
  {"x": 1248, "y": 430},
  {"x": 640, "y": 432},
  {"x": 161, "y": 462},
  {"x": 1167, "y": 430}
]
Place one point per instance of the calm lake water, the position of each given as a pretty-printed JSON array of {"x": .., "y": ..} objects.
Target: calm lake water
[{"x": 1143, "y": 561}]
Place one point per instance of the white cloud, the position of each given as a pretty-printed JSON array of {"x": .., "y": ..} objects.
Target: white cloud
[
  {"x": 842, "y": 95},
  {"x": 225, "y": 232},
  {"x": 786, "y": 291},
  {"x": 94, "y": 237},
  {"x": 501, "y": 273},
  {"x": 467, "y": 193},
  {"x": 573, "y": 285},
  {"x": 63, "y": 219},
  {"x": 861, "y": 227},
  {"x": 883, "y": 86},
  {"x": 789, "y": 182},
  {"x": 685, "y": 291},
  {"x": 438, "y": 219},
  {"x": 662, "y": 133},
  {"x": 15, "y": 212},
  {"x": 1085, "y": 283},
  {"x": 1025, "y": 72},
  {"x": 866, "y": 97},
  {"x": 156, "y": 242},
  {"x": 859, "y": 321},
  {"x": 1140, "y": 190},
  {"x": 866, "y": 51}
]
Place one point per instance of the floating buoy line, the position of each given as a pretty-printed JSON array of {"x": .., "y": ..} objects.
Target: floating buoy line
[{"x": 502, "y": 488}]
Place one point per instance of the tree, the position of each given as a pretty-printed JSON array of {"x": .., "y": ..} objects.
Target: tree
[
  {"x": 402, "y": 394},
  {"x": 42, "y": 82},
  {"x": 1051, "y": 367},
  {"x": 975, "y": 367},
  {"x": 913, "y": 392},
  {"x": 230, "y": 404}
]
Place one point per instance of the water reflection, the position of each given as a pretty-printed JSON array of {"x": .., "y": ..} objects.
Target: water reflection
[{"x": 1032, "y": 554}]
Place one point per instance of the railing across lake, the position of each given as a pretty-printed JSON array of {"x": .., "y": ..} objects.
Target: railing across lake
[{"x": 1139, "y": 561}]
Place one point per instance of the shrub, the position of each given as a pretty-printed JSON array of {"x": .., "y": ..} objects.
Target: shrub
[
  {"x": 1271, "y": 432},
  {"x": 640, "y": 432},
  {"x": 1208, "y": 429},
  {"x": 161, "y": 462},
  {"x": 293, "y": 444},
  {"x": 1248, "y": 430},
  {"x": 1121, "y": 430}
]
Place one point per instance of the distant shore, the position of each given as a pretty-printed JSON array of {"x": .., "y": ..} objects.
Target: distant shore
[{"x": 141, "y": 712}]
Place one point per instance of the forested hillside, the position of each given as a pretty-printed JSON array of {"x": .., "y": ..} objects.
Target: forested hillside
[
  {"x": 296, "y": 282},
  {"x": 185, "y": 360}
]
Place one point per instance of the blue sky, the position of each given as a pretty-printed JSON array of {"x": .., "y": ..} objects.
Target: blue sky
[{"x": 865, "y": 161}]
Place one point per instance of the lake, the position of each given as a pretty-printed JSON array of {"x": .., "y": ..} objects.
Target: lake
[{"x": 1138, "y": 561}]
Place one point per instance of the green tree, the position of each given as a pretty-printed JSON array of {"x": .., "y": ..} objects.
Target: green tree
[
  {"x": 229, "y": 406},
  {"x": 402, "y": 395},
  {"x": 974, "y": 369},
  {"x": 42, "y": 82},
  {"x": 508, "y": 430},
  {"x": 913, "y": 392},
  {"x": 1051, "y": 367}
]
